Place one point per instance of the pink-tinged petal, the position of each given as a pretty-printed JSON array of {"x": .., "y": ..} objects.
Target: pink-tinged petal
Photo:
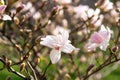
[
  {"x": 2, "y": 8},
  {"x": 102, "y": 28},
  {"x": 100, "y": 39},
  {"x": 96, "y": 38},
  {"x": 68, "y": 48},
  {"x": 49, "y": 41},
  {"x": 55, "y": 56},
  {"x": 92, "y": 46},
  {"x": 105, "y": 33},
  {"x": 61, "y": 32}
]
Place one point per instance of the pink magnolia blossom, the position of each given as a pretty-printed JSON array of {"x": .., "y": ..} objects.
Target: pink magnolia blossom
[
  {"x": 99, "y": 39},
  {"x": 2, "y": 8},
  {"x": 59, "y": 43}
]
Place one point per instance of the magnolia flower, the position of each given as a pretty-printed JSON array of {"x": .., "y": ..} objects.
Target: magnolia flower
[
  {"x": 105, "y": 5},
  {"x": 81, "y": 9},
  {"x": 94, "y": 16},
  {"x": 59, "y": 43},
  {"x": 3, "y": 6},
  {"x": 100, "y": 39}
]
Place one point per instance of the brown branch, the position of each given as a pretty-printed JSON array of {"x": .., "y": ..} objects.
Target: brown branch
[
  {"x": 103, "y": 65},
  {"x": 10, "y": 69}
]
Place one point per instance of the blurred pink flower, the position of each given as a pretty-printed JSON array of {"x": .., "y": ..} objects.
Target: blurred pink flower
[
  {"x": 81, "y": 9},
  {"x": 4, "y": 17},
  {"x": 63, "y": 1},
  {"x": 99, "y": 39},
  {"x": 59, "y": 43},
  {"x": 105, "y": 6},
  {"x": 2, "y": 8}
]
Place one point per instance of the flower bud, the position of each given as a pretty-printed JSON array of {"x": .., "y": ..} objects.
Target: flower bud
[
  {"x": 68, "y": 76},
  {"x": 19, "y": 8},
  {"x": 9, "y": 63},
  {"x": 118, "y": 22},
  {"x": 118, "y": 10},
  {"x": 54, "y": 11},
  {"x": 27, "y": 55},
  {"x": 16, "y": 20},
  {"x": 18, "y": 47},
  {"x": 22, "y": 66},
  {"x": 114, "y": 49},
  {"x": 8, "y": 78},
  {"x": 90, "y": 67}
]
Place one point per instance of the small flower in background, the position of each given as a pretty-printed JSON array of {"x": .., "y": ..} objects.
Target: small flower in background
[
  {"x": 105, "y": 5},
  {"x": 2, "y": 6},
  {"x": 64, "y": 2},
  {"x": 93, "y": 16},
  {"x": 99, "y": 39},
  {"x": 59, "y": 43},
  {"x": 81, "y": 9}
]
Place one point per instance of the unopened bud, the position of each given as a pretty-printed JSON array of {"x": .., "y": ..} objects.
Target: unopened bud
[
  {"x": 22, "y": 66},
  {"x": 16, "y": 20},
  {"x": 99, "y": 3},
  {"x": 90, "y": 67},
  {"x": 37, "y": 60},
  {"x": 8, "y": 78},
  {"x": 54, "y": 11},
  {"x": 118, "y": 9},
  {"x": 114, "y": 49},
  {"x": 21, "y": 58},
  {"x": 9, "y": 63},
  {"x": 20, "y": 8},
  {"x": 27, "y": 55},
  {"x": 18, "y": 47},
  {"x": 118, "y": 22},
  {"x": 68, "y": 76}
]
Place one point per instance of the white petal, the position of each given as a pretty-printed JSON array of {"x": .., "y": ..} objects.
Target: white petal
[
  {"x": 104, "y": 45},
  {"x": 90, "y": 12},
  {"x": 103, "y": 28},
  {"x": 65, "y": 35},
  {"x": 92, "y": 46},
  {"x": 68, "y": 48},
  {"x": 97, "y": 11},
  {"x": 49, "y": 41},
  {"x": 6, "y": 17},
  {"x": 55, "y": 56}
]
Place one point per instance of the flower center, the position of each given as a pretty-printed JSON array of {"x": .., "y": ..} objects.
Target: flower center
[{"x": 57, "y": 48}]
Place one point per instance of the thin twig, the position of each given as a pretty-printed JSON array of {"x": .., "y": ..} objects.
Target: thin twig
[
  {"x": 34, "y": 73},
  {"x": 105, "y": 63},
  {"x": 46, "y": 69},
  {"x": 10, "y": 69}
]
